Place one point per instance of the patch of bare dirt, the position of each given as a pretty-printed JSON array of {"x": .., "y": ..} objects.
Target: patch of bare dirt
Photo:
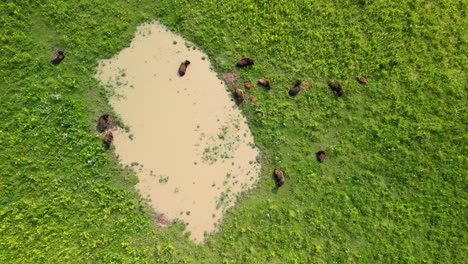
[{"x": 230, "y": 78}]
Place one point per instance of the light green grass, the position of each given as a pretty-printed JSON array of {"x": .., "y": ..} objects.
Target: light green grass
[{"x": 393, "y": 186}]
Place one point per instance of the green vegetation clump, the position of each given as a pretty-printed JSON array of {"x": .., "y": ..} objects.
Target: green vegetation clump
[{"x": 393, "y": 186}]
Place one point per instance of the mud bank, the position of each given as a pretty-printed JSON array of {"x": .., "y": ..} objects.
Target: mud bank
[{"x": 188, "y": 140}]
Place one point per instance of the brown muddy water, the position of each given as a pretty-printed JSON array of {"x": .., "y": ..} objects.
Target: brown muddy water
[{"x": 188, "y": 142}]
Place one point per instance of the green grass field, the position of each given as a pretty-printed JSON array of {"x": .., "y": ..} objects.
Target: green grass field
[{"x": 393, "y": 188}]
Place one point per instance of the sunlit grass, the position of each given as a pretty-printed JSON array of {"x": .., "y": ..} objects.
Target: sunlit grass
[{"x": 393, "y": 185}]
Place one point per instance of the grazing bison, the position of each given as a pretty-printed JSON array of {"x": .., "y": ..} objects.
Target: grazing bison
[
  {"x": 239, "y": 95},
  {"x": 107, "y": 139},
  {"x": 103, "y": 123},
  {"x": 247, "y": 86},
  {"x": 279, "y": 177},
  {"x": 252, "y": 98},
  {"x": 265, "y": 83},
  {"x": 244, "y": 62},
  {"x": 60, "y": 56},
  {"x": 362, "y": 80},
  {"x": 296, "y": 89},
  {"x": 183, "y": 67},
  {"x": 307, "y": 84},
  {"x": 336, "y": 86},
  {"x": 321, "y": 155}
]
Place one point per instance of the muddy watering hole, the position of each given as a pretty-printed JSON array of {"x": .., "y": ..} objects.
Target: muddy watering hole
[{"x": 190, "y": 144}]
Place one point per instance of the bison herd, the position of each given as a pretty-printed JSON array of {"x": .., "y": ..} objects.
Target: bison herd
[
  {"x": 244, "y": 62},
  {"x": 105, "y": 121},
  {"x": 239, "y": 97},
  {"x": 335, "y": 86}
]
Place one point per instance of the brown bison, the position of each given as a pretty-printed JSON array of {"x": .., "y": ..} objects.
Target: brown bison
[
  {"x": 265, "y": 83},
  {"x": 247, "y": 86},
  {"x": 320, "y": 155},
  {"x": 244, "y": 62},
  {"x": 252, "y": 98},
  {"x": 239, "y": 95},
  {"x": 362, "y": 80},
  {"x": 336, "y": 86},
  {"x": 279, "y": 177},
  {"x": 307, "y": 84},
  {"x": 103, "y": 123},
  {"x": 59, "y": 58},
  {"x": 183, "y": 67},
  {"x": 107, "y": 139},
  {"x": 296, "y": 89}
]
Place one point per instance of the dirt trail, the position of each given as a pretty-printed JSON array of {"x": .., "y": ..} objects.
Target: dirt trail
[{"x": 194, "y": 149}]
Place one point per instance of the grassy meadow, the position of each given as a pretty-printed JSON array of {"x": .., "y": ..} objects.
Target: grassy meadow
[{"x": 393, "y": 188}]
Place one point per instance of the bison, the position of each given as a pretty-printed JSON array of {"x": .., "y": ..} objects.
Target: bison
[
  {"x": 336, "y": 86},
  {"x": 239, "y": 95},
  {"x": 252, "y": 98},
  {"x": 296, "y": 89},
  {"x": 245, "y": 62},
  {"x": 59, "y": 58},
  {"x": 103, "y": 123},
  {"x": 247, "y": 86},
  {"x": 278, "y": 175},
  {"x": 107, "y": 139},
  {"x": 320, "y": 155},
  {"x": 362, "y": 80},
  {"x": 183, "y": 67},
  {"x": 265, "y": 83}
]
